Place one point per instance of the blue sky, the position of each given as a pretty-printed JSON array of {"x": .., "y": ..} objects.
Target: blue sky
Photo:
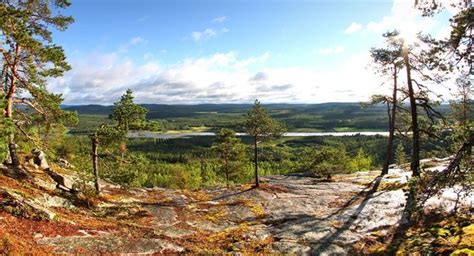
[{"x": 229, "y": 51}]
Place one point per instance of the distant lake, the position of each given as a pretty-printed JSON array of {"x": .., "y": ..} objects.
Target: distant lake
[{"x": 157, "y": 135}]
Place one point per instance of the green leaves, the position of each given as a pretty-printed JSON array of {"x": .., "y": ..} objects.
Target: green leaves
[
  {"x": 260, "y": 125},
  {"x": 109, "y": 135},
  {"x": 29, "y": 58},
  {"x": 128, "y": 114},
  {"x": 326, "y": 161},
  {"x": 231, "y": 153},
  {"x": 6, "y": 127},
  {"x": 361, "y": 162}
]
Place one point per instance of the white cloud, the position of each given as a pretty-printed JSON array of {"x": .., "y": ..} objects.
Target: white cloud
[
  {"x": 221, "y": 77},
  {"x": 330, "y": 50},
  {"x": 219, "y": 19},
  {"x": 217, "y": 78},
  {"x": 353, "y": 28},
  {"x": 132, "y": 42},
  {"x": 207, "y": 33},
  {"x": 403, "y": 17}
]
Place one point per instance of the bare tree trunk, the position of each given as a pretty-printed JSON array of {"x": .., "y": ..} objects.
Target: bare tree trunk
[
  {"x": 391, "y": 117},
  {"x": 257, "y": 182},
  {"x": 415, "y": 158},
  {"x": 9, "y": 108},
  {"x": 226, "y": 173},
  {"x": 12, "y": 150},
  {"x": 94, "y": 163}
]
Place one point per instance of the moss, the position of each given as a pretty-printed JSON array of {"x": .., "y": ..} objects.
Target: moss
[
  {"x": 385, "y": 186},
  {"x": 437, "y": 231},
  {"x": 256, "y": 208},
  {"x": 216, "y": 215},
  {"x": 467, "y": 238},
  {"x": 463, "y": 252},
  {"x": 469, "y": 230}
]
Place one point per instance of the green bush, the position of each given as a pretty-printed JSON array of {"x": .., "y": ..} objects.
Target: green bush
[
  {"x": 361, "y": 162},
  {"x": 326, "y": 161}
]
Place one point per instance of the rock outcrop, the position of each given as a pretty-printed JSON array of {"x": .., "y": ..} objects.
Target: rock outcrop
[
  {"x": 294, "y": 214},
  {"x": 63, "y": 181},
  {"x": 16, "y": 204}
]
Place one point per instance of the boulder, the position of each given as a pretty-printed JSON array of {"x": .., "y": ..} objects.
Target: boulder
[
  {"x": 63, "y": 181},
  {"x": 39, "y": 158},
  {"x": 64, "y": 163}
]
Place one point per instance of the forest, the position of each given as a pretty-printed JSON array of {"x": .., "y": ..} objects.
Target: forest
[
  {"x": 194, "y": 162},
  {"x": 249, "y": 151}
]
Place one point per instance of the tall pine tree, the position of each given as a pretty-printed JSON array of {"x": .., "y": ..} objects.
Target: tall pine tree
[
  {"x": 260, "y": 126},
  {"x": 28, "y": 58}
]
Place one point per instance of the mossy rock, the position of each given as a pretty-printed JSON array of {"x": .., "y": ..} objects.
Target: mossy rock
[{"x": 20, "y": 206}]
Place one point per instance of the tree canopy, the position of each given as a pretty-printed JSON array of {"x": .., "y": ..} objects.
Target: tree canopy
[
  {"x": 127, "y": 113},
  {"x": 28, "y": 58},
  {"x": 231, "y": 153}
]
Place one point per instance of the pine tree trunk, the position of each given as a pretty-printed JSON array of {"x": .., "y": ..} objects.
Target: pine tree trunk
[
  {"x": 94, "y": 163},
  {"x": 415, "y": 158},
  {"x": 257, "y": 182},
  {"x": 391, "y": 117},
  {"x": 226, "y": 173},
  {"x": 9, "y": 108},
  {"x": 12, "y": 150}
]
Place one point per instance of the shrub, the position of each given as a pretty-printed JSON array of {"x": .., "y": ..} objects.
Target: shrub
[{"x": 326, "y": 161}]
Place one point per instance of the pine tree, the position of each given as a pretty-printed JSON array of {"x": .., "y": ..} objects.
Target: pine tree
[
  {"x": 400, "y": 156},
  {"x": 231, "y": 154},
  {"x": 260, "y": 126},
  {"x": 326, "y": 161},
  {"x": 6, "y": 128},
  {"x": 462, "y": 114},
  {"x": 361, "y": 162},
  {"x": 127, "y": 113},
  {"x": 388, "y": 63},
  {"x": 423, "y": 70},
  {"x": 29, "y": 58}
]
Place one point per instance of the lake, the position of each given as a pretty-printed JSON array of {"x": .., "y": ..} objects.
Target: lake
[{"x": 157, "y": 135}]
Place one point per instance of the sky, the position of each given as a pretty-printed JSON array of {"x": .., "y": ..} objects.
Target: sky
[{"x": 230, "y": 51}]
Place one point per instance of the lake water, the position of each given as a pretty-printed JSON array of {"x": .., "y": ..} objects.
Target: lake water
[{"x": 157, "y": 135}]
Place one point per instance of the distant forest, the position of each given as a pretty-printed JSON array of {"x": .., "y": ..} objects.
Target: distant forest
[{"x": 296, "y": 117}]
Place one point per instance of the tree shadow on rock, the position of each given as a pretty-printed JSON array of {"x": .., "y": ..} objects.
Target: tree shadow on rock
[
  {"x": 405, "y": 223},
  {"x": 325, "y": 243}
]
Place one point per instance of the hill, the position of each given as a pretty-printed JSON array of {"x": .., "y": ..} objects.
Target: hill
[{"x": 297, "y": 117}]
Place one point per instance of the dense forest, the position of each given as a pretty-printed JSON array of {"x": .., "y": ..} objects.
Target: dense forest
[{"x": 297, "y": 117}]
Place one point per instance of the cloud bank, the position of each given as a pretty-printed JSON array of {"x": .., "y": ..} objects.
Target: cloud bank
[{"x": 218, "y": 78}]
